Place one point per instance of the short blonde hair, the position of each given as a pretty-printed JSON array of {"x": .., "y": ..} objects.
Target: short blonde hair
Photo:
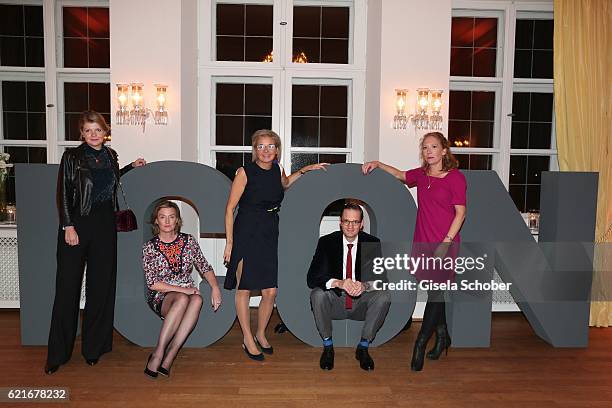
[{"x": 266, "y": 133}]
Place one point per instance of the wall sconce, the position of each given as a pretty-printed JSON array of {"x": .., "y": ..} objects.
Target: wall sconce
[
  {"x": 400, "y": 119},
  {"x": 123, "y": 112},
  {"x": 427, "y": 102},
  {"x": 161, "y": 114},
  {"x": 138, "y": 114}
]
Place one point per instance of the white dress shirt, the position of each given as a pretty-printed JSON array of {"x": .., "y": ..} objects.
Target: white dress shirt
[{"x": 345, "y": 243}]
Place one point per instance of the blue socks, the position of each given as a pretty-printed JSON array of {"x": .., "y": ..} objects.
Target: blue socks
[{"x": 328, "y": 342}]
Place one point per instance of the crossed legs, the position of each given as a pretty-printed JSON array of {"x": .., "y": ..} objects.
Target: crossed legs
[{"x": 181, "y": 313}]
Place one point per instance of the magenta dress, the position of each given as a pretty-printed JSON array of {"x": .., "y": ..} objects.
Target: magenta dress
[{"x": 436, "y": 198}]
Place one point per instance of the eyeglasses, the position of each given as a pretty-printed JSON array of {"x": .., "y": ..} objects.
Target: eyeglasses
[
  {"x": 346, "y": 223},
  {"x": 263, "y": 146}
]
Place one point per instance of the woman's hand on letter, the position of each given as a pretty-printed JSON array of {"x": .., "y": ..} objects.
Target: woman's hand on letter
[
  {"x": 139, "y": 162},
  {"x": 369, "y": 166}
]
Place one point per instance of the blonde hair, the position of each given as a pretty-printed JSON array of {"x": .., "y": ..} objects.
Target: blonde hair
[
  {"x": 449, "y": 161},
  {"x": 166, "y": 204},
  {"x": 266, "y": 133},
  {"x": 93, "y": 117}
]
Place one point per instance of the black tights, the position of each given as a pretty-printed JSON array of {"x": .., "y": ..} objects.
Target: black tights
[
  {"x": 181, "y": 313},
  {"x": 435, "y": 313}
]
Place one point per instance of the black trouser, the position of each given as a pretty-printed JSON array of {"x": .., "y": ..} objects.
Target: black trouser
[
  {"x": 435, "y": 312},
  {"x": 98, "y": 249}
]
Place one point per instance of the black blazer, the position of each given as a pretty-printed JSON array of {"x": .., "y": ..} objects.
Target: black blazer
[{"x": 328, "y": 258}]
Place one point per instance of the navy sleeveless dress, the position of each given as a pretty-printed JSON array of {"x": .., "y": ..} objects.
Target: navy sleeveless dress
[{"x": 256, "y": 230}]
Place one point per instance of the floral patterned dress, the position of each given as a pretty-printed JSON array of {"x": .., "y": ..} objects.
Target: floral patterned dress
[{"x": 172, "y": 263}]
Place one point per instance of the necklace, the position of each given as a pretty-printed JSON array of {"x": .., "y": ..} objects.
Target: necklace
[{"x": 429, "y": 179}]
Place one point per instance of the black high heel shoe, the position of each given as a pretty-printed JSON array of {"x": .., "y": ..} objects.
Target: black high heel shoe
[
  {"x": 418, "y": 354},
  {"x": 150, "y": 373},
  {"x": 256, "y": 357},
  {"x": 163, "y": 371},
  {"x": 443, "y": 342},
  {"x": 267, "y": 350}
]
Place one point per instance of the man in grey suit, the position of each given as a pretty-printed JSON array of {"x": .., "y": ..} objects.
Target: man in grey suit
[{"x": 338, "y": 291}]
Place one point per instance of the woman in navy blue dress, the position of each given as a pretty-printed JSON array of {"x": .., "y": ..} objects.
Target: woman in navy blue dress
[{"x": 251, "y": 250}]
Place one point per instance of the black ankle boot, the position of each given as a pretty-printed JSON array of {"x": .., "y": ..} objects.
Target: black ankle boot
[
  {"x": 418, "y": 354},
  {"x": 443, "y": 342}
]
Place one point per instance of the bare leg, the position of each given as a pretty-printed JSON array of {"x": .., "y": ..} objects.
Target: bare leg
[
  {"x": 266, "y": 306},
  {"x": 187, "y": 323},
  {"x": 242, "y": 310},
  {"x": 173, "y": 309}
]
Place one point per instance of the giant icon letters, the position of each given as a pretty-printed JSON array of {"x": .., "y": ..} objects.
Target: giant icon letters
[{"x": 493, "y": 224}]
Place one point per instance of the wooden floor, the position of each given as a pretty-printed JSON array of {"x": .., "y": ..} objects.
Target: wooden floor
[{"x": 518, "y": 370}]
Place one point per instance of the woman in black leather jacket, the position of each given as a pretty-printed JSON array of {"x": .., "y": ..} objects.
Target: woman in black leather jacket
[{"x": 87, "y": 199}]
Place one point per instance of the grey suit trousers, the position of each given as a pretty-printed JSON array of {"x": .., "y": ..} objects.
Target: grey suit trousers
[{"x": 370, "y": 307}]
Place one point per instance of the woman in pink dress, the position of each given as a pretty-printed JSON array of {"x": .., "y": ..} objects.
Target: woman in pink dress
[{"x": 441, "y": 200}]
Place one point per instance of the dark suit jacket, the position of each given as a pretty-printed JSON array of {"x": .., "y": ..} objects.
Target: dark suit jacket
[{"x": 328, "y": 258}]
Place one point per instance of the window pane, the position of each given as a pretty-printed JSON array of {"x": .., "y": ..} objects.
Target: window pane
[
  {"x": 256, "y": 48},
  {"x": 517, "y": 192},
  {"x": 299, "y": 160},
  {"x": 533, "y": 56},
  {"x": 535, "y": 166},
  {"x": 230, "y": 48},
  {"x": 319, "y": 116},
  {"x": 306, "y": 22},
  {"x": 86, "y": 37},
  {"x": 228, "y": 163},
  {"x": 97, "y": 22},
  {"x": 518, "y": 169},
  {"x": 230, "y": 19},
  {"x": 11, "y": 20},
  {"x": 474, "y": 161},
  {"x": 258, "y": 99},
  {"x": 532, "y": 120},
  {"x": 82, "y": 96},
  {"x": 335, "y": 22},
  {"x": 525, "y": 180},
  {"x": 333, "y": 132},
  {"x": 471, "y": 118},
  {"x": 321, "y": 34},
  {"x": 304, "y": 131},
  {"x": 473, "y": 46},
  {"x": 241, "y": 109},
  {"x": 244, "y": 32},
  {"x": 229, "y": 130},
  {"x": 259, "y": 21},
  {"x": 23, "y": 110},
  {"x": 21, "y": 36},
  {"x": 22, "y": 155},
  {"x": 253, "y": 124}
]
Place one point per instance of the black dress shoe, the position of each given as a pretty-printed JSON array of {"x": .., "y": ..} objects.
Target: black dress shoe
[
  {"x": 365, "y": 361},
  {"x": 327, "y": 358},
  {"x": 150, "y": 373},
  {"x": 267, "y": 350},
  {"x": 256, "y": 357},
  {"x": 91, "y": 361},
  {"x": 163, "y": 371},
  {"x": 50, "y": 369}
]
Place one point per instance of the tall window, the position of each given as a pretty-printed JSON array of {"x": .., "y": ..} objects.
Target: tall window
[
  {"x": 43, "y": 89},
  {"x": 501, "y": 106},
  {"x": 290, "y": 66}
]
